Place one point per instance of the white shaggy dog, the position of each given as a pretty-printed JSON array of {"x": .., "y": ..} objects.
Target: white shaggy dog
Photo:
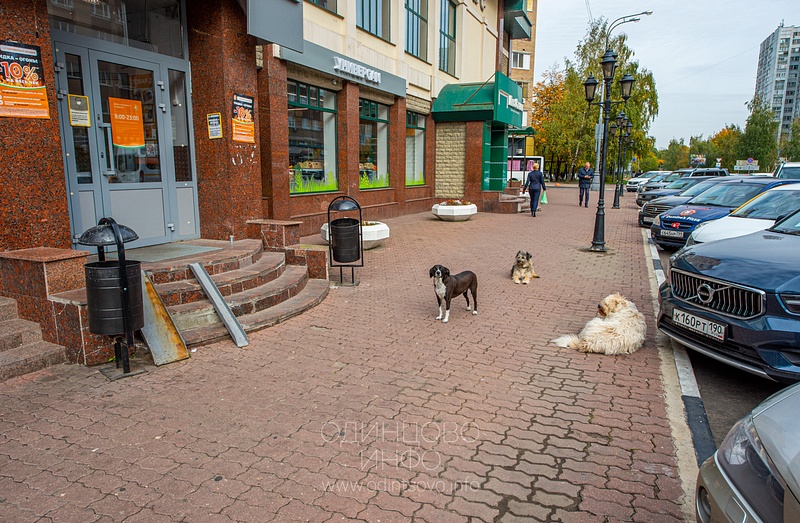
[{"x": 619, "y": 329}]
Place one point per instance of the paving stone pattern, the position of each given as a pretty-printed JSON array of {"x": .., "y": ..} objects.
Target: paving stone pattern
[{"x": 367, "y": 409}]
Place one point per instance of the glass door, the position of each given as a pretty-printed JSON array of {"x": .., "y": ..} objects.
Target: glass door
[{"x": 114, "y": 119}]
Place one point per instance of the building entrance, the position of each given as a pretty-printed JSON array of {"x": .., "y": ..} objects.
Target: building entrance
[{"x": 126, "y": 151}]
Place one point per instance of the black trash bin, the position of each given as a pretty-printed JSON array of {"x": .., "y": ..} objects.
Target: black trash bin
[
  {"x": 104, "y": 296},
  {"x": 113, "y": 288},
  {"x": 345, "y": 240}
]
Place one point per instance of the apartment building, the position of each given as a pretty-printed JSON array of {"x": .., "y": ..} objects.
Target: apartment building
[{"x": 778, "y": 75}]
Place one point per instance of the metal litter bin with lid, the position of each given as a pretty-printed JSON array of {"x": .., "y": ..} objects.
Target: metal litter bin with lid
[
  {"x": 345, "y": 242},
  {"x": 113, "y": 288}
]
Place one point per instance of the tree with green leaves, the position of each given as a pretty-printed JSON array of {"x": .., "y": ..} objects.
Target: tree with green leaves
[
  {"x": 568, "y": 123},
  {"x": 759, "y": 138},
  {"x": 790, "y": 145}
]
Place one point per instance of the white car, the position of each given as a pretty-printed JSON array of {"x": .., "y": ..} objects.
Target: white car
[
  {"x": 755, "y": 215},
  {"x": 634, "y": 183}
]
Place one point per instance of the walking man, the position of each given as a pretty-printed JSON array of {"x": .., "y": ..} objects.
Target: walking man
[
  {"x": 585, "y": 175},
  {"x": 535, "y": 185}
]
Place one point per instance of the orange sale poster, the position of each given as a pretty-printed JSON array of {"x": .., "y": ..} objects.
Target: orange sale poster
[
  {"x": 22, "y": 90},
  {"x": 127, "y": 125}
]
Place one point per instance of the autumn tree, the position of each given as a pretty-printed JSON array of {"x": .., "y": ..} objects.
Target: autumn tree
[
  {"x": 675, "y": 156},
  {"x": 728, "y": 142}
]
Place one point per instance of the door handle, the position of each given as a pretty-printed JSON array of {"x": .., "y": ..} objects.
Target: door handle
[{"x": 108, "y": 170}]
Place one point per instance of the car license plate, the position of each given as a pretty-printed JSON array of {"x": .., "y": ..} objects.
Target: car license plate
[
  {"x": 701, "y": 325},
  {"x": 647, "y": 219},
  {"x": 671, "y": 234}
]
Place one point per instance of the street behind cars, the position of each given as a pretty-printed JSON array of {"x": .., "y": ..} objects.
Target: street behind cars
[{"x": 671, "y": 228}]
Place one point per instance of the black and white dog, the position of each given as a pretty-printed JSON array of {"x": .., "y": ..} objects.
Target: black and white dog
[{"x": 447, "y": 287}]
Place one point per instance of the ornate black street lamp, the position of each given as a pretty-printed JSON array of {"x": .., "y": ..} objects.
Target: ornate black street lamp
[
  {"x": 609, "y": 66},
  {"x": 620, "y": 128}
]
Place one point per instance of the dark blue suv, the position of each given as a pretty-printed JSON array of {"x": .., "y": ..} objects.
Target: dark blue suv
[
  {"x": 671, "y": 228},
  {"x": 738, "y": 300}
]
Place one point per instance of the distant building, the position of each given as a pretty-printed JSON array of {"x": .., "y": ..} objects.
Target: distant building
[
  {"x": 778, "y": 75},
  {"x": 523, "y": 52}
]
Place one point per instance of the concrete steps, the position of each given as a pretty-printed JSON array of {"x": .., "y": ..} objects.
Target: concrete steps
[
  {"x": 22, "y": 349},
  {"x": 259, "y": 287}
]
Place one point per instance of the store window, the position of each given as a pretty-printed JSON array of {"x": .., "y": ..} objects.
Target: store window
[
  {"x": 373, "y": 145},
  {"x": 152, "y": 26},
  {"x": 373, "y": 16},
  {"x": 415, "y": 149},
  {"x": 312, "y": 139},
  {"x": 417, "y": 28},
  {"x": 447, "y": 38}
]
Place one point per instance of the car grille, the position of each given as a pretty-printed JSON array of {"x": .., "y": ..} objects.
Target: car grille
[
  {"x": 715, "y": 295},
  {"x": 654, "y": 209}
]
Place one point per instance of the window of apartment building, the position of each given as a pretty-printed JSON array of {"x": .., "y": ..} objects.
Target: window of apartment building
[
  {"x": 417, "y": 28},
  {"x": 373, "y": 145},
  {"x": 330, "y": 5},
  {"x": 373, "y": 16},
  {"x": 312, "y": 139},
  {"x": 415, "y": 148},
  {"x": 447, "y": 38},
  {"x": 524, "y": 87},
  {"x": 520, "y": 60}
]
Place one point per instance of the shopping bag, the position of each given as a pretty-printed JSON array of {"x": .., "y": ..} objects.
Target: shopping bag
[{"x": 544, "y": 197}]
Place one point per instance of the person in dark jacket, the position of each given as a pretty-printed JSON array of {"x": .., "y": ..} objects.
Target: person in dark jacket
[
  {"x": 585, "y": 175},
  {"x": 535, "y": 185}
]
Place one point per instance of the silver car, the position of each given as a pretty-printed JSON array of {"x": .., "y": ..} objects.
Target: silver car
[{"x": 754, "y": 476}]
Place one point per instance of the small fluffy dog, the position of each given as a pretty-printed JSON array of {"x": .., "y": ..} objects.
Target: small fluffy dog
[
  {"x": 522, "y": 271},
  {"x": 619, "y": 329},
  {"x": 447, "y": 287}
]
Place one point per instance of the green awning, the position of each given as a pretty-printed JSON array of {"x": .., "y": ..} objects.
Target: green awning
[
  {"x": 528, "y": 131},
  {"x": 499, "y": 101},
  {"x": 464, "y": 103}
]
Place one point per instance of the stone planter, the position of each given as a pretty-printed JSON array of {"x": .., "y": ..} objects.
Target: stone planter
[
  {"x": 454, "y": 213},
  {"x": 372, "y": 235}
]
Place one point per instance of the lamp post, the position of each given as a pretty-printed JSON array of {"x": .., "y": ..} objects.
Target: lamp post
[
  {"x": 613, "y": 25},
  {"x": 619, "y": 127},
  {"x": 609, "y": 66}
]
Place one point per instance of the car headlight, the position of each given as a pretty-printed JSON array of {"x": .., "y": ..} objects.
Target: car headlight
[
  {"x": 743, "y": 458},
  {"x": 691, "y": 241},
  {"x": 657, "y": 221},
  {"x": 791, "y": 302}
]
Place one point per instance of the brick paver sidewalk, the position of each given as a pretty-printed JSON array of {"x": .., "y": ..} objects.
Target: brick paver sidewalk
[{"x": 365, "y": 408}]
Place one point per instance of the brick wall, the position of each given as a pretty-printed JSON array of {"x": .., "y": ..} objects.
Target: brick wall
[{"x": 451, "y": 152}]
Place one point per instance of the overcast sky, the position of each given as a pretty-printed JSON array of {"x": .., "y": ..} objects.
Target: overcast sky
[{"x": 702, "y": 53}]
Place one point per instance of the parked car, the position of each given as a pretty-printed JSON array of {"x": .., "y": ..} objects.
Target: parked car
[
  {"x": 755, "y": 472},
  {"x": 788, "y": 170},
  {"x": 738, "y": 301},
  {"x": 673, "y": 188},
  {"x": 755, "y": 215},
  {"x": 653, "y": 208},
  {"x": 673, "y": 227},
  {"x": 633, "y": 183},
  {"x": 656, "y": 184}
]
